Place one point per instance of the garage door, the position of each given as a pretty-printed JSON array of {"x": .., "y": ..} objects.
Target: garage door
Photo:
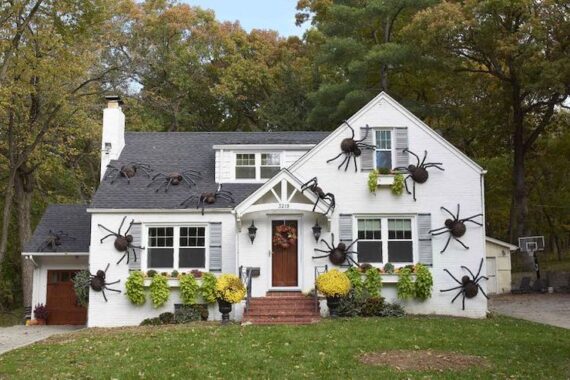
[
  {"x": 492, "y": 274},
  {"x": 61, "y": 301}
]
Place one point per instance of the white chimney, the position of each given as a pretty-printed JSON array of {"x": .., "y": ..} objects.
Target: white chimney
[{"x": 113, "y": 139}]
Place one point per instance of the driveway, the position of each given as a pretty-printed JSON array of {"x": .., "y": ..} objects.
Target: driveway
[
  {"x": 549, "y": 309},
  {"x": 19, "y": 336}
]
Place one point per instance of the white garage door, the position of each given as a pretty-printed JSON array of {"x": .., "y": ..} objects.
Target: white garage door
[{"x": 492, "y": 274}]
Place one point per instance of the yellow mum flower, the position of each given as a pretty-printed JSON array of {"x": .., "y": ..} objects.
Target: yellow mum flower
[
  {"x": 333, "y": 283},
  {"x": 230, "y": 288}
]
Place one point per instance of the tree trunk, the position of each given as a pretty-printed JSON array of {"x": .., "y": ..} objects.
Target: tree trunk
[
  {"x": 520, "y": 208},
  {"x": 24, "y": 187},
  {"x": 6, "y": 215}
]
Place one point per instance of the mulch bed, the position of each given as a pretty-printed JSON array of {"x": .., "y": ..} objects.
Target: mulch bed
[{"x": 423, "y": 360}]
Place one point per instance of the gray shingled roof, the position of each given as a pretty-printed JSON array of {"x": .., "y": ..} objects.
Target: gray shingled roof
[
  {"x": 73, "y": 220},
  {"x": 178, "y": 151}
]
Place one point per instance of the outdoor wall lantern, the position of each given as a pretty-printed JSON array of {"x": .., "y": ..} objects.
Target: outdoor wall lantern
[
  {"x": 252, "y": 231},
  {"x": 317, "y": 231}
]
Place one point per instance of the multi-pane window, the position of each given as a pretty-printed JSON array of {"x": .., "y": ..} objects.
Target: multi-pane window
[
  {"x": 369, "y": 240},
  {"x": 270, "y": 164},
  {"x": 245, "y": 166},
  {"x": 161, "y": 247},
  {"x": 382, "y": 240},
  {"x": 384, "y": 149},
  {"x": 192, "y": 251},
  {"x": 176, "y": 247}
]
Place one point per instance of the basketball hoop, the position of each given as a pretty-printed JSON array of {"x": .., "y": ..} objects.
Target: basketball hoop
[{"x": 531, "y": 245}]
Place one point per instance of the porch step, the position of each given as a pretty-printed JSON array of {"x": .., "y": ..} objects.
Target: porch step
[{"x": 282, "y": 308}]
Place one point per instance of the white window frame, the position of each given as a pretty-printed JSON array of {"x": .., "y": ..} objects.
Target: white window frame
[
  {"x": 392, "y": 150},
  {"x": 384, "y": 234},
  {"x": 176, "y": 246},
  {"x": 388, "y": 240},
  {"x": 269, "y": 166},
  {"x": 255, "y": 166},
  {"x": 257, "y": 178}
]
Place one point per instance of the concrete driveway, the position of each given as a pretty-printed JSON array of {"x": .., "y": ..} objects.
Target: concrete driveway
[
  {"x": 19, "y": 336},
  {"x": 549, "y": 309}
]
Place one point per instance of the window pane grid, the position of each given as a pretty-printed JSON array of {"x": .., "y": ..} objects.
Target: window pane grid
[
  {"x": 270, "y": 159},
  {"x": 397, "y": 248},
  {"x": 369, "y": 229}
]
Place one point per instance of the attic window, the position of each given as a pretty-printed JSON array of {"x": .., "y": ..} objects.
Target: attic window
[
  {"x": 384, "y": 149},
  {"x": 270, "y": 164},
  {"x": 257, "y": 166},
  {"x": 245, "y": 166}
]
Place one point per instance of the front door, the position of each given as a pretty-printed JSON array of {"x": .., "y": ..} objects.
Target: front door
[
  {"x": 284, "y": 260},
  {"x": 61, "y": 301}
]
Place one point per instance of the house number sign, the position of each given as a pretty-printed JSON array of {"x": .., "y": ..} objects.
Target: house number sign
[{"x": 283, "y": 205}]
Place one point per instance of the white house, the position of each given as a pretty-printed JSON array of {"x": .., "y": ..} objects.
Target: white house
[{"x": 265, "y": 173}]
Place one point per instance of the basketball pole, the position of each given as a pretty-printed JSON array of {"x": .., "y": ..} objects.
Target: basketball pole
[{"x": 536, "y": 267}]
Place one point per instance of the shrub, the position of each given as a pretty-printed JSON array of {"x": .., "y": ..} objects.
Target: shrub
[
  {"x": 208, "y": 288},
  {"x": 151, "y": 322},
  {"x": 392, "y": 310},
  {"x": 333, "y": 283},
  {"x": 405, "y": 285},
  {"x": 166, "y": 318},
  {"x": 373, "y": 181},
  {"x": 190, "y": 313},
  {"x": 81, "y": 282},
  {"x": 372, "y": 306},
  {"x": 398, "y": 185},
  {"x": 350, "y": 305},
  {"x": 40, "y": 312},
  {"x": 355, "y": 277},
  {"x": 197, "y": 273},
  {"x": 373, "y": 282},
  {"x": 151, "y": 273},
  {"x": 188, "y": 289},
  {"x": 135, "y": 288},
  {"x": 389, "y": 268},
  {"x": 230, "y": 288},
  {"x": 424, "y": 283},
  {"x": 159, "y": 291},
  {"x": 174, "y": 274}
]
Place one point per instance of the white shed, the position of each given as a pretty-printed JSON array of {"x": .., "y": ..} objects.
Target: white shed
[{"x": 498, "y": 255}]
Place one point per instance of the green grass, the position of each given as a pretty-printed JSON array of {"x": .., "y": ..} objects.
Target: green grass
[
  {"x": 11, "y": 318},
  {"x": 514, "y": 349},
  {"x": 548, "y": 261}
]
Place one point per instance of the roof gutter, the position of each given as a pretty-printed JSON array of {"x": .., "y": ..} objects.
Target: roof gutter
[{"x": 156, "y": 211}]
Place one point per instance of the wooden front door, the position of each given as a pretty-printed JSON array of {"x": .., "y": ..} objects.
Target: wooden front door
[
  {"x": 61, "y": 301},
  {"x": 284, "y": 260}
]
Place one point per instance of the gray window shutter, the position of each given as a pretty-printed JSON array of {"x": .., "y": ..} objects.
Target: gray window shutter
[
  {"x": 424, "y": 239},
  {"x": 345, "y": 228},
  {"x": 401, "y": 143},
  {"x": 215, "y": 247},
  {"x": 367, "y": 156},
  {"x": 136, "y": 233}
]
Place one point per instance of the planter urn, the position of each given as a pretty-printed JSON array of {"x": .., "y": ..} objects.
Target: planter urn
[
  {"x": 225, "y": 308},
  {"x": 332, "y": 303}
]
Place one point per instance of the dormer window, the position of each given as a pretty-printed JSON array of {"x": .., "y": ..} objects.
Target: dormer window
[
  {"x": 270, "y": 165},
  {"x": 257, "y": 166},
  {"x": 245, "y": 166}
]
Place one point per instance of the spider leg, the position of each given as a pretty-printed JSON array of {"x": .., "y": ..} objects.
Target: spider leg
[
  {"x": 460, "y": 242},
  {"x": 355, "y": 165},
  {"x": 188, "y": 199},
  {"x": 474, "y": 222},
  {"x": 449, "y": 212},
  {"x": 472, "y": 217},
  {"x": 351, "y": 260},
  {"x": 479, "y": 271},
  {"x": 481, "y": 278},
  {"x": 332, "y": 239},
  {"x": 320, "y": 257},
  {"x": 349, "y": 126},
  {"x": 107, "y": 268},
  {"x": 463, "y": 301},
  {"x": 327, "y": 244},
  {"x": 136, "y": 246},
  {"x": 434, "y": 165},
  {"x": 441, "y": 232},
  {"x": 468, "y": 270},
  {"x": 135, "y": 255},
  {"x": 112, "y": 290},
  {"x": 225, "y": 192},
  {"x": 308, "y": 184},
  {"x": 365, "y": 146},
  {"x": 106, "y": 229},
  {"x": 168, "y": 185},
  {"x": 347, "y": 156},
  {"x": 130, "y": 226},
  {"x": 406, "y": 184},
  {"x": 226, "y": 197},
  {"x": 316, "y": 202},
  {"x": 367, "y": 130},
  {"x": 332, "y": 159},
  {"x": 414, "y": 190},
  {"x": 113, "y": 234},
  {"x": 121, "y": 226},
  {"x": 453, "y": 277},
  {"x": 123, "y": 257},
  {"x": 104, "y": 296},
  {"x": 351, "y": 244},
  {"x": 446, "y": 244},
  {"x": 458, "y": 208},
  {"x": 413, "y": 154},
  {"x": 482, "y": 291},
  {"x": 458, "y": 294},
  {"x": 424, "y": 159},
  {"x": 321, "y": 250},
  {"x": 189, "y": 181},
  {"x": 450, "y": 289},
  {"x": 112, "y": 283}
]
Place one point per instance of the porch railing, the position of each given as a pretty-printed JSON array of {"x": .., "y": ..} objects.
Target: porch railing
[
  {"x": 318, "y": 270},
  {"x": 245, "y": 273}
]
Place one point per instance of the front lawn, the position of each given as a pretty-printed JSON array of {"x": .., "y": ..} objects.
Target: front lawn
[{"x": 329, "y": 349}]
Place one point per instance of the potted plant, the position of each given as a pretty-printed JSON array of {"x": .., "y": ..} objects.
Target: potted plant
[
  {"x": 41, "y": 314},
  {"x": 229, "y": 290},
  {"x": 334, "y": 285}
]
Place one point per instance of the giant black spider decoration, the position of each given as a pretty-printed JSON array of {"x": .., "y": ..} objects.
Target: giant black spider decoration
[
  {"x": 313, "y": 185},
  {"x": 54, "y": 240},
  {"x": 123, "y": 241},
  {"x": 455, "y": 227},
  {"x": 337, "y": 254},
  {"x": 127, "y": 171},
  {"x": 418, "y": 173},
  {"x": 208, "y": 198},
  {"x": 99, "y": 282},
  {"x": 352, "y": 148},
  {"x": 469, "y": 287},
  {"x": 175, "y": 178}
]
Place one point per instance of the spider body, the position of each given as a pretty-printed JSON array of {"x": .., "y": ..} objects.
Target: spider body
[
  {"x": 126, "y": 171},
  {"x": 123, "y": 241},
  {"x": 351, "y": 149},
  {"x": 313, "y": 186},
  {"x": 455, "y": 227},
  {"x": 54, "y": 241},
  {"x": 208, "y": 198},
  {"x": 337, "y": 254},
  {"x": 98, "y": 282},
  {"x": 419, "y": 172},
  {"x": 165, "y": 180},
  {"x": 468, "y": 286}
]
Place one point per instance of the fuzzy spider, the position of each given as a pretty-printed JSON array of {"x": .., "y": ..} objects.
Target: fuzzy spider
[
  {"x": 54, "y": 240},
  {"x": 123, "y": 242},
  {"x": 352, "y": 148},
  {"x": 337, "y": 254},
  {"x": 127, "y": 171},
  {"x": 99, "y": 283},
  {"x": 418, "y": 173},
  {"x": 313, "y": 185},
  {"x": 469, "y": 287},
  {"x": 175, "y": 178},
  {"x": 456, "y": 227},
  {"x": 208, "y": 198}
]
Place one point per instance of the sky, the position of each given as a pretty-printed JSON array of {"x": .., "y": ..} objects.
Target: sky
[{"x": 256, "y": 14}]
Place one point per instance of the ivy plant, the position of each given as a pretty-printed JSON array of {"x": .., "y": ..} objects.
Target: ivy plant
[
  {"x": 373, "y": 282},
  {"x": 398, "y": 185},
  {"x": 188, "y": 290},
  {"x": 424, "y": 282},
  {"x": 405, "y": 285},
  {"x": 208, "y": 288},
  {"x": 81, "y": 286},
  {"x": 159, "y": 291},
  {"x": 373, "y": 181},
  {"x": 355, "y": 277},
  {"x": 135, "y": 288}
]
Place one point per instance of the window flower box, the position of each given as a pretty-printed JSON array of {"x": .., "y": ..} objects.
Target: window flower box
[
  {"x": 385, "y": 179},
  {"x": 393, "y": 278},
  {"x": 172, "y": 282}
]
